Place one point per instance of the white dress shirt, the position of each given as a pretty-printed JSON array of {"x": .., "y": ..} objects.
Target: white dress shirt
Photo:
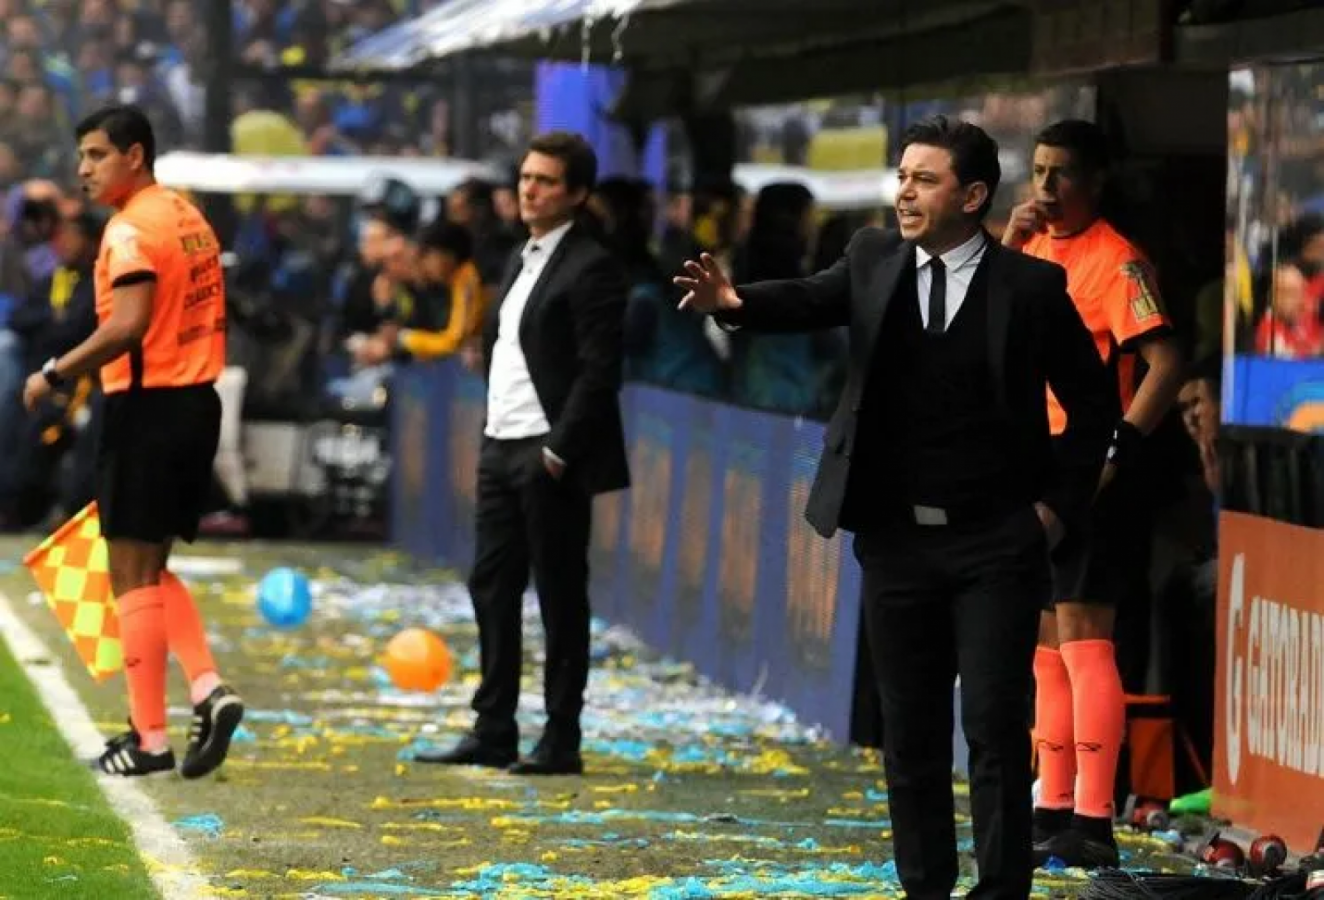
[
  {"x": 513, "y": 409},
  {"x": 961, "y": 263}
]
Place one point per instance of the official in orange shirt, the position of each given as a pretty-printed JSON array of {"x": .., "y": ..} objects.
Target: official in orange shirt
[
  {"x": 1079, "y": 702},
  {"x": 160, "y": 346}
]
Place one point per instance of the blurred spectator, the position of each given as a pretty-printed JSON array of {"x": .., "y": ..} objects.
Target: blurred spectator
[
  {"x": 358, "y": 312},
  {"x": 1290, "y": 328},
  {"x": 59, "y": 314},
  {"x": 387, "y": 208},
  {"x": 448, "y": 285},
  {"x": 42, "y": 143},
  {"x": 620, "y": 210},
  {"x": 472, "y": 205},
  {"x": 1201, "y": 414},
  {"x": 34, "y": 213},
  {"x": 1302, "y": 242},
  {"x": 505, "y": 200},
  {"x": 780, "y": 372},
  {"x": 664, "y": 345},
  {"x": 11, "y": 169},
  {"x": 1187, "y": 608},
  {"x": 136, "y": 82},
  {"x": 675, "y": 241}
]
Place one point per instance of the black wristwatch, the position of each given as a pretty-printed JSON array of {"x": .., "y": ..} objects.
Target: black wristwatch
[{"x": 53, "y": 377}]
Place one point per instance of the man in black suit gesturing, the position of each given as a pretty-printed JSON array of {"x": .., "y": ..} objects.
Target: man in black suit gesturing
[
  {"x": 553, "y": 438},
  {"x": 938, "y": 458}
]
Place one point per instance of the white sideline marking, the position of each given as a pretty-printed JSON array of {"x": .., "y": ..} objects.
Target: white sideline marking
[{"x": 167, "y": 857}]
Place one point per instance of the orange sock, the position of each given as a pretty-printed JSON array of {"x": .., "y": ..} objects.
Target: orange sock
[
  {"x": 143, "y": 636},
  {"x": 187, "y": 638},
  {"x": 1052, "y": 731},
  {"x": 1099, "y": 722}
]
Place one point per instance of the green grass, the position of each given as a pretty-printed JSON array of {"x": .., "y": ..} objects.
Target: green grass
[{"x": 58, "y": 837}]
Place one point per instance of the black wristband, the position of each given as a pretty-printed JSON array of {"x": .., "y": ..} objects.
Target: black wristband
[
  {"x": 52, "y": 376},
  {"x": 1125, "y": 445}
]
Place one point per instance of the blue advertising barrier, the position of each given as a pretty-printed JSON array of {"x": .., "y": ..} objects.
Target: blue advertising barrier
[
  {"x": 707, "y": 557},
  {"x": 1274, "y": 393}
]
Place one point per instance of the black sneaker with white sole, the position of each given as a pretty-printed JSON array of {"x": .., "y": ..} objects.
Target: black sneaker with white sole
[
  {"x": 214, "y": 722},
  {"x": 124, "y": 756}
]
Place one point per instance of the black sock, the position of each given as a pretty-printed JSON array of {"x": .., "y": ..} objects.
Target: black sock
[
  {"x": 1094, "y": 828},
  {"x": 1053, "y": 820}
]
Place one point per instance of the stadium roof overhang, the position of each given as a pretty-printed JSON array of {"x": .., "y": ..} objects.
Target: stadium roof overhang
[
  {"x": 688, "y": 55},
  {"x": 713, "y": 53},
  {"x": 1283, "y": 30}
]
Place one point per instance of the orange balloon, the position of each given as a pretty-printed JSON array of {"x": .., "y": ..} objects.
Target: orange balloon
[{"x": 417, "y": 660}]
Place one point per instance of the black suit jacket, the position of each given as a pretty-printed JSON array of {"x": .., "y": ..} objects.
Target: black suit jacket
[
  {"x": 571, "y": 335},
  {"x": 1036, "y": 338}
]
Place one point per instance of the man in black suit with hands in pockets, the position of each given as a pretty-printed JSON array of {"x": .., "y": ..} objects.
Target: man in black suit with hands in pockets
[
  {"x": 553, "y": 438},
  {"x": 938, "y": 458}
]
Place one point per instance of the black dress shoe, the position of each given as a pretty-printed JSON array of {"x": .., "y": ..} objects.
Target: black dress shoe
[
  {"x": 546, "y": 761},
  {"x": 470, "y": 751}
]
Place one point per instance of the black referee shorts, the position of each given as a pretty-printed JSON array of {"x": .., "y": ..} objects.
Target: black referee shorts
[
  {"x": 1105, "y": 562},
  {"x": 154, "y": 462}
]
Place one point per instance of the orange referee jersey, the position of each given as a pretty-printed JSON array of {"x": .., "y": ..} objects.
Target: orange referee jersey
[
  {"x": 1114, "y": 289},
  {"x": 161, "y": 235}
]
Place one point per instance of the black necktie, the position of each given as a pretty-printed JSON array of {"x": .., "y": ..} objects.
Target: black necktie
[{"x": 937, "y": 297}]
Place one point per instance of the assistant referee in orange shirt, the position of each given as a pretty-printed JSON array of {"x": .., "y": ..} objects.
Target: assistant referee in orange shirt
[
  {"x": 1080, "y": 712},
  {"x": 160, "y": 346}
]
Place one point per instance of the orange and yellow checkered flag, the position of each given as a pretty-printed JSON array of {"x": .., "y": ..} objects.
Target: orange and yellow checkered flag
[{"x": 72, "y": 569}]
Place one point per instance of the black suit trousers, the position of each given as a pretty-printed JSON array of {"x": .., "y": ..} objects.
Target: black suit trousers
[
  {"x": 942, "y": 602},
  {"x": 526, "y": 518}
]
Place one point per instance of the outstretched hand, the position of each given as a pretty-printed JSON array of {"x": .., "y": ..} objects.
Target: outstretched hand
[{"x": 708, "y": 290}]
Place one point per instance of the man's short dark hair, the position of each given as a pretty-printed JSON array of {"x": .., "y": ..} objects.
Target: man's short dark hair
[
  {"x": 449, "y": 238},
  {"x": 581, "y": 163},
  {"x": 974, "y": 153},
  {"x": 1085, "y": 141},
  {"x": 124, "y": 125}
]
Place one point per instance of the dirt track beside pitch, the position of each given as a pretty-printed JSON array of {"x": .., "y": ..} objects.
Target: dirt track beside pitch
[{"x": 690, "y": 791}]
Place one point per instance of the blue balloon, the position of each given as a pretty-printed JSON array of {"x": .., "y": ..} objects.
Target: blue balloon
[{"x": 284, "y": 598}]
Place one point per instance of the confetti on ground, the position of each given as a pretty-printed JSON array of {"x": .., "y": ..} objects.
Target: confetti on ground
[{"x": 690, "y": 792}]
